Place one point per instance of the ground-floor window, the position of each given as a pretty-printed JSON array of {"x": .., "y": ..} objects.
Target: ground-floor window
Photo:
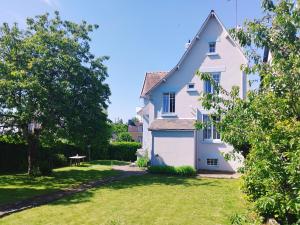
[{"x": 212, "y": 162}]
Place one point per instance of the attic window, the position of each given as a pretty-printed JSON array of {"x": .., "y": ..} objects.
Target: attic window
[
  {"x": 212, "y": 47},
  {"x": 191, "y": 87}
]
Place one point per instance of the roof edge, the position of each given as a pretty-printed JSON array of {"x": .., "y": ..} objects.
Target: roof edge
[{"x": 212, "y": 13}]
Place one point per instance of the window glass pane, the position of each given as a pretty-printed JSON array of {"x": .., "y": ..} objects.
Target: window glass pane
[
  {"x": 166, "y": 102},
  {"x": 191, "y": 86},
  {"x": 207, "y": 86},
  {"x": 172, "y": 102},
  {"x": 216, "y": 134},
  {"x": 216, "y": 77},
  {"x": 212, "y": 46},
  {"x": 207, "y": 128},
  {"x": 212, "y": 162}
]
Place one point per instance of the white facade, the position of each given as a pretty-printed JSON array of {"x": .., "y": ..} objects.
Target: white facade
[{"x": 188, "y": 147}]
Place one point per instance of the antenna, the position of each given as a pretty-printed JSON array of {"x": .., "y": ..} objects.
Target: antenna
[{"x": 236, "y": 12}]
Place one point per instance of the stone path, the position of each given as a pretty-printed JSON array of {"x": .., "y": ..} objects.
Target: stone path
[
  {"x": 126, "y": 171},
  {"x": 216, "y": 174}
]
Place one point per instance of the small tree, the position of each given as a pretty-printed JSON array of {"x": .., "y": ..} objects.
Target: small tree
[
  {"x": 265, "y": 126},
  {"x": 51, "y": 86},
  {"x": 124, "y": 136}
]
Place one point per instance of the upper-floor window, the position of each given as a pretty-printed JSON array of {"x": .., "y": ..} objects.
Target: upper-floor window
[
  {"x": 169, "y": 102},
  {"x": 208, "y": 87},
  {"x": 210, "y": 130},
  {"x": 212, "y": 47}
]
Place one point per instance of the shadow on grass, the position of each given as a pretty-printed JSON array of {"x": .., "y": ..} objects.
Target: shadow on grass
[
  {"x": 156, "y": 179},
  {"x": 15, "y": 187},
  {"x": 138, "y": 181}
]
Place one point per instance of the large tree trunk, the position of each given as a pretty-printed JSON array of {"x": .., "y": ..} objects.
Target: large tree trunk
[{"x": 33, "y": 150}]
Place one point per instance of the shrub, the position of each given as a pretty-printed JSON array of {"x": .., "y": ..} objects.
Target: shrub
[
  {"x": 59, "y": 160},
  {"x": 142, "y": 162},
  {"x": 172, "y": 170},
  {"x": 124, "y": 151},
  {"x": 124, "y": 136}
]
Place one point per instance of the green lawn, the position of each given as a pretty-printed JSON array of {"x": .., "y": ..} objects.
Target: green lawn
[
  {"x": 147, "y": 199},
  {"x": 14, "y": 187}
]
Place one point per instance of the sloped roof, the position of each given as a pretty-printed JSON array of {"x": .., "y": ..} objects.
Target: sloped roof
[
  {"x": 212, "y": 14},
  {"x": 151, "y": 79},
  {"x": 172, "y": 124}
]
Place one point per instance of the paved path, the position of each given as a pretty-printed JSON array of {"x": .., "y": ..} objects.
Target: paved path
[
  {"x": 126, "y": 171},
  {"x": 216, "y": 174}
]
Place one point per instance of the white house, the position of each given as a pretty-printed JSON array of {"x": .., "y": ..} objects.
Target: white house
[{"x": 171, "y": 101}]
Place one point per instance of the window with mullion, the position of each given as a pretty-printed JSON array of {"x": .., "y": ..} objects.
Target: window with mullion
[
  {"x": 210, "y": 131},
  {"x": 169, "y": 102},
  {"x": 208, "y": 87}
]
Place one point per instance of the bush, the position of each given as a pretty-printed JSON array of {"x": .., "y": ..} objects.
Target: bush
[
  {"x": 172, "y": 170},
  {"x": 124, "y": 136},
  {"x": 124, "y": 151},
  {"x": 59, "y": 160},
  {"x": 142, "y": 162}
]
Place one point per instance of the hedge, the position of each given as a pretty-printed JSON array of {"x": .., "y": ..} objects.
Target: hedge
[
  {"x": 124, "y": 151},
  {"x": 172, "y": 170},
  {"x": 13, "y": 157}
]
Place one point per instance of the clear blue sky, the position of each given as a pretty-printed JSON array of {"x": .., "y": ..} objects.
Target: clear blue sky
[{"x": 138, "y": 35}]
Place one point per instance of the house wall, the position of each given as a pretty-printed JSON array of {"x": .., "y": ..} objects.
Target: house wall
[
  {"x": 173, "y": 148},
  {"x": 227, "y": 62}
]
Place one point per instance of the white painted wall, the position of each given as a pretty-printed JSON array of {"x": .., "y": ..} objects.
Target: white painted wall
[
  {"x": 173, "y": 148},
  {"x": 228, "y": 63}
]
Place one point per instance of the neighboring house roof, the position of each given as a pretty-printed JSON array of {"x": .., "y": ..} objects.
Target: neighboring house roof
[
  {"x": 172, "y": 124},
  {"x": 157, "y": 82},
  {"x": 151, "y": 79}
]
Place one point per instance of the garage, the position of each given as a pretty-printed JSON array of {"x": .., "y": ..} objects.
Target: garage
[{"x": 173, "y": 148}]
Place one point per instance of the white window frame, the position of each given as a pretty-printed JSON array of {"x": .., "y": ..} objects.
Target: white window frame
[
  {"x": 217, "y": 78},
  {"x": 191, "y": 88},
  {"x": 170, "y": 109},
  {"x": 214, "y": 134},
  {"x": 212, "y": 162}
]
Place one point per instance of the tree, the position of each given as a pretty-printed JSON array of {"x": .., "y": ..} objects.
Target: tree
[
  {"x": 118, "y": 128},
  {"x": 124, "y": 136},
  {"x": 51, "y": 86},
  {"x": 265, "y": 126}
]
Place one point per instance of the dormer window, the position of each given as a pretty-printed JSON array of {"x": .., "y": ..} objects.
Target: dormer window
[{"x": 212, "y": 47}]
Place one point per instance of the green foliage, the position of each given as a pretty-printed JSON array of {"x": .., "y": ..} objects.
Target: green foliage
[
  {"x": 49, "y": 77},
  {"x": 172, "y": 170},
  {"x": 119, "y": 128},
  {"x": 265, "y": 127},
  {"x": 45, "y": 168},
  {"x": 142, "y": 162},
  {"x": 124, "y": 151},
  {"x": 59, "y": 160},
  {"x": 124, "y": 137}
]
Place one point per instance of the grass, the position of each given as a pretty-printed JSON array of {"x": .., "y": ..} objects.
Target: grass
[
  {"x": 148, "y": 199},
  {"x": 15, "y": 187}
]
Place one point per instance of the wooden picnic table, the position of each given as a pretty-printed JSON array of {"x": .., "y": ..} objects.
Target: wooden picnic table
[{"x": 76, "y": 159}]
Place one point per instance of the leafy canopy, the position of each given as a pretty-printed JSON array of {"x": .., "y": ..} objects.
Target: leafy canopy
[
  {"x": 49, "y": 76},
  {"x": 265, "y": 127}
]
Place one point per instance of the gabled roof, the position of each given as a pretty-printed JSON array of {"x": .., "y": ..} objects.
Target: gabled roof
[
  {"x": 157, "y": 82},
  {"x": 172, "y": 124},
  {"x": 151, "y": 79}
]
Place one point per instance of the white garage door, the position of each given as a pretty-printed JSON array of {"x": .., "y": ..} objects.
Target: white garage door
[{"x": 173, "y": 148}]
